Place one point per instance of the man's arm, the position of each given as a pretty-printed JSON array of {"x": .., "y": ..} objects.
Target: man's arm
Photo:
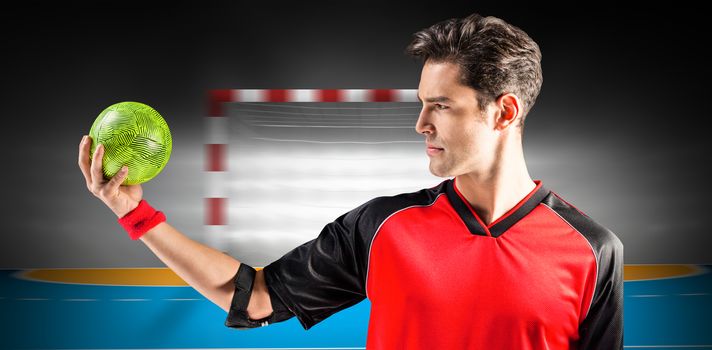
[
  {"x": 207, "y": 270},
  {"x": 603, "y": 327}
]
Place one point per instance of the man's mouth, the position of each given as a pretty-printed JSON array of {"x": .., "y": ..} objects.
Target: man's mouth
[{"x": 432, "y": 150}]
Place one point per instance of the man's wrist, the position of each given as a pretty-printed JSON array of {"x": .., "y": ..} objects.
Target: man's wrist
[
  {"x": 141, "y": 219},
  {"x": 121, "y": 212}
]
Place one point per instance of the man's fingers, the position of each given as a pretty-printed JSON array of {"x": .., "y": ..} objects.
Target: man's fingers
[
  {"x": 117, "y": 180},
  {"x": 97, "y": 175},
  {"x": 84, "y": 159}
]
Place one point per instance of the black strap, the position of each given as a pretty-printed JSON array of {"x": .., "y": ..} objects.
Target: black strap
[
  {"x": 244, "y": 281},
  {"x": 237, "y": 317}
]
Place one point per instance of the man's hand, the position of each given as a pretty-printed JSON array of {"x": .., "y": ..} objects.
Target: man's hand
[{"x": 120, "y": 199}]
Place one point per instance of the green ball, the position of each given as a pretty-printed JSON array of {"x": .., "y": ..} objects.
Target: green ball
[{"x": 135, "y": 135}]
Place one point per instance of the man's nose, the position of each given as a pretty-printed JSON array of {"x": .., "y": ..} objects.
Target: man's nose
[{"x": 423, "y": 124}]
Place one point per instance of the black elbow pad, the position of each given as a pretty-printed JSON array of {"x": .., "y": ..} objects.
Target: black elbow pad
[{"x": 237, "y": 316}]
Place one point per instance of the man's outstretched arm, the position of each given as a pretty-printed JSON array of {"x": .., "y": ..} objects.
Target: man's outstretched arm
[{"x": 207, "y": 270}]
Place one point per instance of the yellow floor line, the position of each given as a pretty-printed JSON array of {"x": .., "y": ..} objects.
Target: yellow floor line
[
  {"x": 161, "y": 276},
  {"x": 634, "y": 272}
]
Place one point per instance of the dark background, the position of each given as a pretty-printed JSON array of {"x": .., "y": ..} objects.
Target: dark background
[{"x": 618, "y": 128}]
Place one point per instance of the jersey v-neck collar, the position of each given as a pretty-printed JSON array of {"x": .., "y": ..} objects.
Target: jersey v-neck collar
[{"x": 502, "y": 224}]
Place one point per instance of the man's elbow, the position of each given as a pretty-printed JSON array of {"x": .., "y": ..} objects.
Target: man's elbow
[{"x": 259, "y": 304}]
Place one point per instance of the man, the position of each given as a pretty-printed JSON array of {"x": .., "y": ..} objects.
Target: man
[{"x": 489, "y": 259}]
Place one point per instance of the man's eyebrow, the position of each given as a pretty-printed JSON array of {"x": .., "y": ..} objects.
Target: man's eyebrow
[{"x": 435, "y": 99}]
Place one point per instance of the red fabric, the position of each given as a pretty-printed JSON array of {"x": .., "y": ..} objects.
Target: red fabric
[
  {"x": 143, "y": 218},
  {"x": 527, "y": 289}
]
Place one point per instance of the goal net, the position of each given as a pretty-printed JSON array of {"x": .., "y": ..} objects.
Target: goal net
[{"x": 279, "y": 169}]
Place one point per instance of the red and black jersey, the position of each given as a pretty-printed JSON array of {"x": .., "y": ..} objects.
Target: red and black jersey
[{"x": 543, "y": 276}]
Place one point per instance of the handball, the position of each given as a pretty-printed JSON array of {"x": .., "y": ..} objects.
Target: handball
[{"x": 135, "y": 135}]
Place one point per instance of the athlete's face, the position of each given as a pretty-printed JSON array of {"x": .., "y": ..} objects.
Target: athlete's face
[{"x": 459, "y": 137}]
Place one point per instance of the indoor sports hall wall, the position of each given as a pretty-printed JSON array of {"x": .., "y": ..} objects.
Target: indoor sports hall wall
[{"x": 616, "y": 128}]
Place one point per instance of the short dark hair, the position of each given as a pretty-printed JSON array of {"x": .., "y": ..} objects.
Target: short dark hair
[{"x": 494, "y": 57}]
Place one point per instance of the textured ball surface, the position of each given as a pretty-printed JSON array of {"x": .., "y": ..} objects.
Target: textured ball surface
[{"x": 135, "y": 135}]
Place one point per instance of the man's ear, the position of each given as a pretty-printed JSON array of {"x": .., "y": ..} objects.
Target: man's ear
[{"x": 509, "y": 110}]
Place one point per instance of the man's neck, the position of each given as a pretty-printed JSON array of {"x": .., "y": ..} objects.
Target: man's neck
[{"x": 491, "y": 195}]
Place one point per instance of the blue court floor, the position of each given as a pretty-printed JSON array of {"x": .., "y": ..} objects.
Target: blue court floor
[{"x": 661, "y": 312}]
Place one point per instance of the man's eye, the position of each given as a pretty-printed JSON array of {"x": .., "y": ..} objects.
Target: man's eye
[{"x": 439, "y": 106}]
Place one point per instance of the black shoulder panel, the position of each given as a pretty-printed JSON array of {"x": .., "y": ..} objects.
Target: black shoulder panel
[
  {"x": 328, "y": 274},
  {"x": 603, "y": 326}
]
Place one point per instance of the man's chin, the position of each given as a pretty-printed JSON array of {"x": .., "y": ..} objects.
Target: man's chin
[{"x": 439, "y": 172}]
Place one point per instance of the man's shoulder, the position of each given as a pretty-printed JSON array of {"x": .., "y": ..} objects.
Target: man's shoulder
[
  {"x": 394, "y": 203},
  {"x": 599, "y": 236},
  {"x": 375, "y": 211}
]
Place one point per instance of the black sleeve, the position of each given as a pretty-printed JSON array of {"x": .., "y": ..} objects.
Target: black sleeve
[
  {"x": 324, "y": 275},
  {"x": 603, "y": 326}
]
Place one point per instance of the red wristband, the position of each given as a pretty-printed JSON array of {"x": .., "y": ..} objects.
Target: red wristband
[{"x": 141, "y": 219}]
